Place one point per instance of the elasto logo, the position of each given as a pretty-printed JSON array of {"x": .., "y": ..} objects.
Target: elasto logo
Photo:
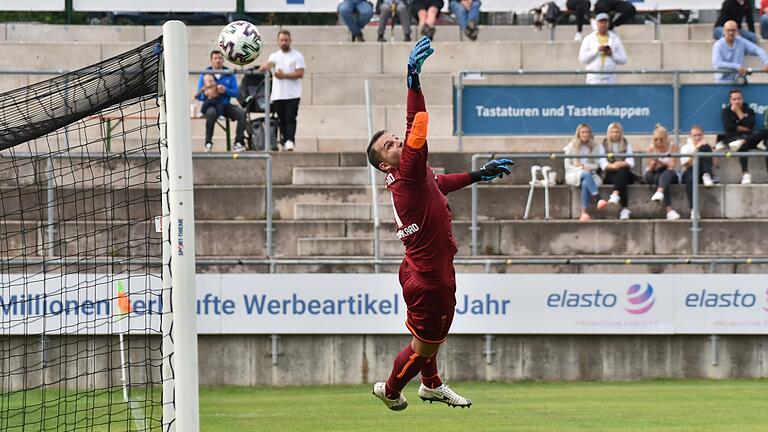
[
  {"x": 640, "y": 300},
  {"x": 766, "y": 300}
]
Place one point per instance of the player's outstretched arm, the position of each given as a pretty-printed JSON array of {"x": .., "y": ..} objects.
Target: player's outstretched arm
[
  {"x": 448, "y": 183},
  {"x": 415, "y": 102}
]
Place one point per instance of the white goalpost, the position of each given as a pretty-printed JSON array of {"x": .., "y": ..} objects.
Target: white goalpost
[{"x": 180, "y": 394}]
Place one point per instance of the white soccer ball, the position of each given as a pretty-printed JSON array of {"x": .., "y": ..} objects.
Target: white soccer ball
[{"x": 240, "y": 42}]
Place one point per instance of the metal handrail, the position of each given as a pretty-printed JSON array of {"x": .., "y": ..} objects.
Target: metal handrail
[
  {"x": 695, "y": 227},
  {"x": 268, "y": 199}
]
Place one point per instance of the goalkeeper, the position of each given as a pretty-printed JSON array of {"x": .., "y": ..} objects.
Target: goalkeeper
[{"x": 423, "y": 223}]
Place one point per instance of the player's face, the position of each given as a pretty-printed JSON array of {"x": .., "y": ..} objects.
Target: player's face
[
  {"x": 217, "y": 61},
  {"x": 389, "y": 148},
  {"x": 736, "y": 100},
  {"x": 284, "y": 42}
]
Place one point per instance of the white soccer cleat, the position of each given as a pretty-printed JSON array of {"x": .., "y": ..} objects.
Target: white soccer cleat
[
  {"x": 380, "y": 391},
  {"x": 707, "y": 179},
  {"x": 443, "y": 394},
  {"x": 657, "y": 196}
]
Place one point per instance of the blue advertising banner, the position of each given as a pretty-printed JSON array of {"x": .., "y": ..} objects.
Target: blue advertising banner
[
  {"x": 702, "y": 104},
  {"x": 556, "y": 110}
]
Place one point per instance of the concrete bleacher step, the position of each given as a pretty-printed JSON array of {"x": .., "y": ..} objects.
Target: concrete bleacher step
[
  {"x": 343, "y": 246},
  {"x": 339, "y": 175},
  {"x": 333, "y": 211}
]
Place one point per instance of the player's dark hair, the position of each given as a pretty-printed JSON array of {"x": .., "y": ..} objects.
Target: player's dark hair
[
  {"x": 734, "y": 91},
  {"x": 215, "y": 52},
  {"x": 373, "y": 156},
  {"x": 285, "y": 32}
]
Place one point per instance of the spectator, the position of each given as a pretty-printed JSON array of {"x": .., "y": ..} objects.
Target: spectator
[
  {"x": 467, "y": 13},
  {"x": 427, "y": 12},
  {"x": 581, "y": 171},
  {"x": 387, "y": 10},
  {"x": 216, "y": 103},
  {"x": 356, "y": 14},
  {"x": 623, "y": 11},
  {"x": 740, "y": 133},
  {"x": 602, "y": 50},
  {"x": 764, "y": 19},
  {"x": 736, "y": 11},
  {"x": 618, "y": 170},
  {"x": 287, "y": 66},
  {"x": 581, "y": 9},
  {"x": 661, "y": 171},
  {"x": 729, "y": 51},
  {"x": 696, "y": 143}
]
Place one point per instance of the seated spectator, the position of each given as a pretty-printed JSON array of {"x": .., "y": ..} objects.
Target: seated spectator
[
  {"x": 387, "y": 10},
  {"x": 740, "y": 132},
  {"x": 764, "y": 19},
  {"x": 661, "y": 171},
  {"x": 729, "y": 51},
  {"x": 602, "y": 50},
  {"x": 356, "y": 14},
  {"x": 736, "y": 11},
  {"x": 582, "y": 171},
  {"x": 467, "y": 13},
  {"x": 618, "y": 170},
  {"x": 215, "y": 91},
  {"x": 580, "y": 8},
  {"x": 427, "y": 12},
  {"x": 622, "y": 11},
  {"x": 696, "y": 143}
]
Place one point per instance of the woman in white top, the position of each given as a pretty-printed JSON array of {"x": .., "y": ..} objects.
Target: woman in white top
[
  {"x": 696, "y": 143},
  {"x": 661, "y": 171},
  {"x": 618, "y": 170},
  {"x": 581, "y": 171}
]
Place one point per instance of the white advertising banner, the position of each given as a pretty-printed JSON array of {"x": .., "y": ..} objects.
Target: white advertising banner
[
  {"x": 155, "y": 5},
  {"x": 523, "y": 6},
  {"x": 373, "y": 304},
  {"x": 36, "y": 5}
]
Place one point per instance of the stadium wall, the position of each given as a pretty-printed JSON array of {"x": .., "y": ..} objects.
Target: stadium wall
[{"x": 353, "y": 359}]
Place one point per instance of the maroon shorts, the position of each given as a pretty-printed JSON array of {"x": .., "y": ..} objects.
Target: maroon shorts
[{"x": 431, "y": 302}]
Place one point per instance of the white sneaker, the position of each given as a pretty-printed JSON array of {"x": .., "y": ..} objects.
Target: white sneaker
[
  {"x": 673, "y": 215},
  {"x": 288, "y": 146},
  {"x": 380, "y": 391},
  {"x": 746, "y": 178},
  {"x": 624, "y": 214},
  {"x": 735, "y": 145},
  {"x": 443, "y": 394},
  {"x": 578, "y": 37},
  {"x": 761, "y": 146},
  {"x": 707, "y": 180},
  {"x": 614, "y": 199},
  {"x": 657, "y": 196},
  {"x": 238, "y": 147},
  {"x": 207, "y": 147},
  {"x": 720, "y": 146}
]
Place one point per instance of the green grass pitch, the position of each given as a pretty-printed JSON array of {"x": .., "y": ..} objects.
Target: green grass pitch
[{"x": 646, "y": 406}]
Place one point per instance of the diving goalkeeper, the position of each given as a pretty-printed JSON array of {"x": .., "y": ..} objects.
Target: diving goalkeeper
[{"x": 423, "y": 223}]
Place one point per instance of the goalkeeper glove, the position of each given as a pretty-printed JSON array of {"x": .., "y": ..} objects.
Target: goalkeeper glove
[
  {"x": 491, "y": 170},
  {"x": 420, "y": 52}
]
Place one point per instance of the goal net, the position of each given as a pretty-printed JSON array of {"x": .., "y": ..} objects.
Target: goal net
[{"x": 85, "y": 322}]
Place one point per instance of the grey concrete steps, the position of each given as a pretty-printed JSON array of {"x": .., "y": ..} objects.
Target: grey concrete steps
[
  {"x": 339, "y": 176},
  {"x": 341, "y": 246}
]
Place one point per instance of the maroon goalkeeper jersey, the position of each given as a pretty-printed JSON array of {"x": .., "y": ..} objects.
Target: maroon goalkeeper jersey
[{"x": 422, "y": 214}]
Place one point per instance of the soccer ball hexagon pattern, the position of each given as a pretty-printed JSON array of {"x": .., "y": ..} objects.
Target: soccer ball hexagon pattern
[{"x": 240, "y": 42}]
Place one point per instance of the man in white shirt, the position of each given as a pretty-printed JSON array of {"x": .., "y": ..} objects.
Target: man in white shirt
[
  {"x": 602, "y": 50},
  {"x": 287, "y": 67}
]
